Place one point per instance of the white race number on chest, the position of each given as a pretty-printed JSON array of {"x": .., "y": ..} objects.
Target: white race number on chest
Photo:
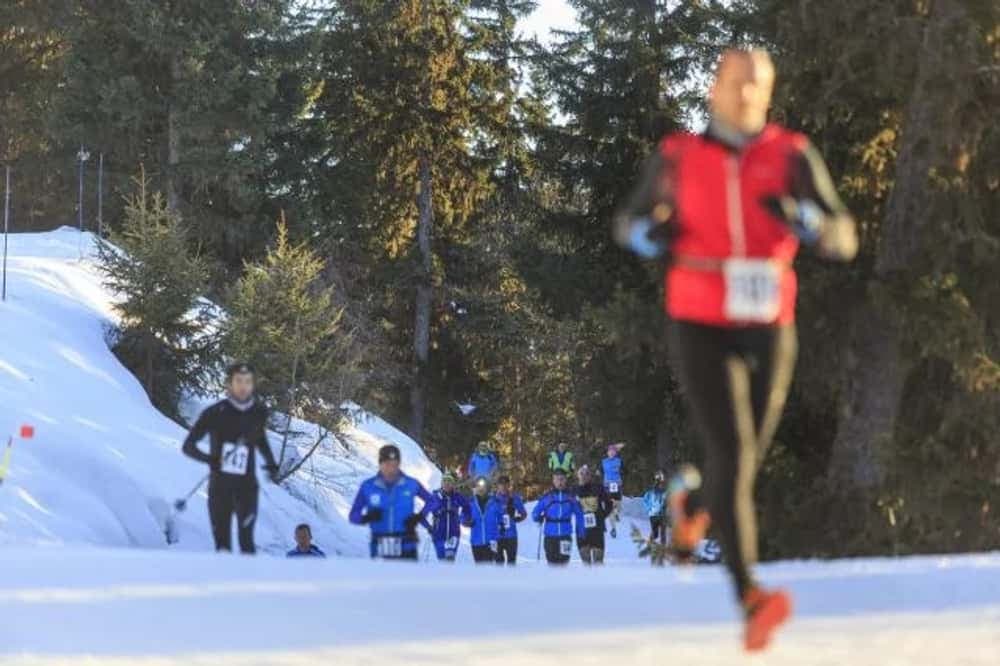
[
  {"x": 235, "y": 457},
  {"x": 753, "y": 290}
]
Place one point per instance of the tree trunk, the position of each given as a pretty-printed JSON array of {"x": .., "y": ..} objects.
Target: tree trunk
[
  {"x": 932, "y": 140},
  {"x": 424, "y": 300},
  {"x": 173, "y": 139}
]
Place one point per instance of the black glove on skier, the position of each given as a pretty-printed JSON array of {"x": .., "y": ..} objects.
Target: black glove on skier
[
  {"x": 372, "y": 515},
  {"x": 411, "y": 523}
]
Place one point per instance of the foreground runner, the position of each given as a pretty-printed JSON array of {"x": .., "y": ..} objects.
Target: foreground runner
[
  {"x": 386, "y": 502},
  {"x": 558, "y": 511},
  {"x": 237, "y": 428},
  {"x": 597, "y": 506},
  {"x": 735, "y": 203}
]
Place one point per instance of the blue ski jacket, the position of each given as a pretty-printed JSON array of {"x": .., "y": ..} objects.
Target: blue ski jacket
[
  {"x": 312, "y": 552},
  {"x": 453, "y": 509},
  {"x": 396, "y": 501},
  {"x": 612, "y": 468},
  {"x": 559, "y": 509},
  {"x": 653, "y": 500},
  {"x": 484, "y": 466},
  {"x": 509, "y": 511},
  {"x": 483, "y": 522}
]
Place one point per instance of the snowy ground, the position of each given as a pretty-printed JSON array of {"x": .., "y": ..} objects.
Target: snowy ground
[
  {"x": 146, "y": 607},
  {"x": 86, "y": 577}
]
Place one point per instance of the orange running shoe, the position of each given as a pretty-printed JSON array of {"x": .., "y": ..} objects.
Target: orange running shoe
[{"x": 765, "y": 612}]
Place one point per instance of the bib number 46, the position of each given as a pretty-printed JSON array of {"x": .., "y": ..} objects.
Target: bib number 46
[{"x": 753, "y": 290}]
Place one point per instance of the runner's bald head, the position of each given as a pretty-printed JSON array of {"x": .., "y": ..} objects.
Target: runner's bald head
[{"x": 741, "y": 92}]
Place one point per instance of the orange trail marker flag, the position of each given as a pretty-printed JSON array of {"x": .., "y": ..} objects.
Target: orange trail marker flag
[{"x": 27, "y": 432}]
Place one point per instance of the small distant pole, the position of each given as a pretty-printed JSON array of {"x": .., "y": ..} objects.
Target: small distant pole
[
  {"x": 81, "y": 157},
  {"x": 100, "y": 195},
  {"x": 6, "y": 228}
]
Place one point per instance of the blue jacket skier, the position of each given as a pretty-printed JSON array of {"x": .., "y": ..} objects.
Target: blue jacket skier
[
  {"x": 560, "y": 512},
  {"x": 653, "y": 501},
  {"x": 508, "y": 508},
  {"x": 386, "y": 502},
  {"x": 611, "y": 466},
  {"x": 484, "y": 524},
  {"x": 446, "y": 528},
  {"x": 483, "y": 463}
]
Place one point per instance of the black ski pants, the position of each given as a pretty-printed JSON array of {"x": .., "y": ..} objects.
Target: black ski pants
[
  {"x": 736, "y": 381},
  {"x": 507, "y": 551},
  {"x": 228, "y": 495}
]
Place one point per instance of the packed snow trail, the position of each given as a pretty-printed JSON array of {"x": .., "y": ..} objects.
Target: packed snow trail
[{"x": 129, "y": 606}]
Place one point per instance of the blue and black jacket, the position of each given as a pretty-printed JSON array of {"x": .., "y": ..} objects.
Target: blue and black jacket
[
  {"x": 483, "y": 465},
  {"x": 453, "y": 510},
  {"x": 612, "y": 468},
  {"x": 508, "y": 511},
  {"x": 484, "y": 523},
  {"x": 312, "y": 552},
  {"x": 559, "y": 509},
  {"x": 653, "y": 501},
  {"x": 397, "y": 503}
]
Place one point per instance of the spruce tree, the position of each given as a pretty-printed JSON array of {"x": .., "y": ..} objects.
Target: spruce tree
[
  {"x": 161, "y": 336},
  {"x": 290, "y": 325}
]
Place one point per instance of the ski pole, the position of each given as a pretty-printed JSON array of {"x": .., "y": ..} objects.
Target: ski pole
[
  {"x": 541, "y": 531},
  {"x": 181, "y": 504}
]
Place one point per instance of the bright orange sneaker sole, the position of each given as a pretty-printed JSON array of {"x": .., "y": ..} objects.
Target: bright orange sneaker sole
[{"x": 771, "y": 611}]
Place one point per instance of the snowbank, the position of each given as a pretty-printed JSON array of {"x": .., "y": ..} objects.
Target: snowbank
[{"x": 104, "y": 465}]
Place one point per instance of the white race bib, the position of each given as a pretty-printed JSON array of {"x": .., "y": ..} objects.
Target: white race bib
[
  {"x": 565, "y": 548},
  {"x": 451, "y": 543},
  {"x": 390, "y": 547},
  {"x": 589, "y": 520},
  {"x": 753, "y": 290},
  {"x": 506, "y": 521},
  {"x": 494, "y": 546},
  {"x": 612, "y": 487},
  {"x": 235, "y": 457}
]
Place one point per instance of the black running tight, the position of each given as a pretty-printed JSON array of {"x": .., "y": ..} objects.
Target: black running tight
[{"x": 736, "y": 381}]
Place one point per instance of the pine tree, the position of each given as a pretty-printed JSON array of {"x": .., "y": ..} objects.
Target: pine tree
[
  {"x": 400, "y": 96},
  {"x": 192, "y": 90},
  {"x": 161, "y": 336},
  {"x": 289, "y": 324}
]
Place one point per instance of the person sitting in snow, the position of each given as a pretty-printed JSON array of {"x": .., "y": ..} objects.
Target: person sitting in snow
[{"x": 304, "y": 547}]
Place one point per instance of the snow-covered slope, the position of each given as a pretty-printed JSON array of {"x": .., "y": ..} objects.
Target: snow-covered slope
[
  {"x": 105, "y": 466},
  {"x": 134, "y": 607}
]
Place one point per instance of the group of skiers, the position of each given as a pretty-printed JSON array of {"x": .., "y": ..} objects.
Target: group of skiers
[
  {"x": 236, "y": 431},
  {"x": 728, "y": 209},
  {"x": 492, "y": 512}
]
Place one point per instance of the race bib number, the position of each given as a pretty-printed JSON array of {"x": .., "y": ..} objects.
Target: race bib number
[
  {"x": 753, "y": 290},
  {"x": 451, "y": 543},
  {"x": 565, "y": 548},
  {"x": 235, "y": 457},
  {"x": 390, "y": 547},
  {"x": 589, "y": 520},
  {"x": 612, "y": 487},
  {"x": 493, "y": 546},
  {"x": 506, "y": 521}
]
